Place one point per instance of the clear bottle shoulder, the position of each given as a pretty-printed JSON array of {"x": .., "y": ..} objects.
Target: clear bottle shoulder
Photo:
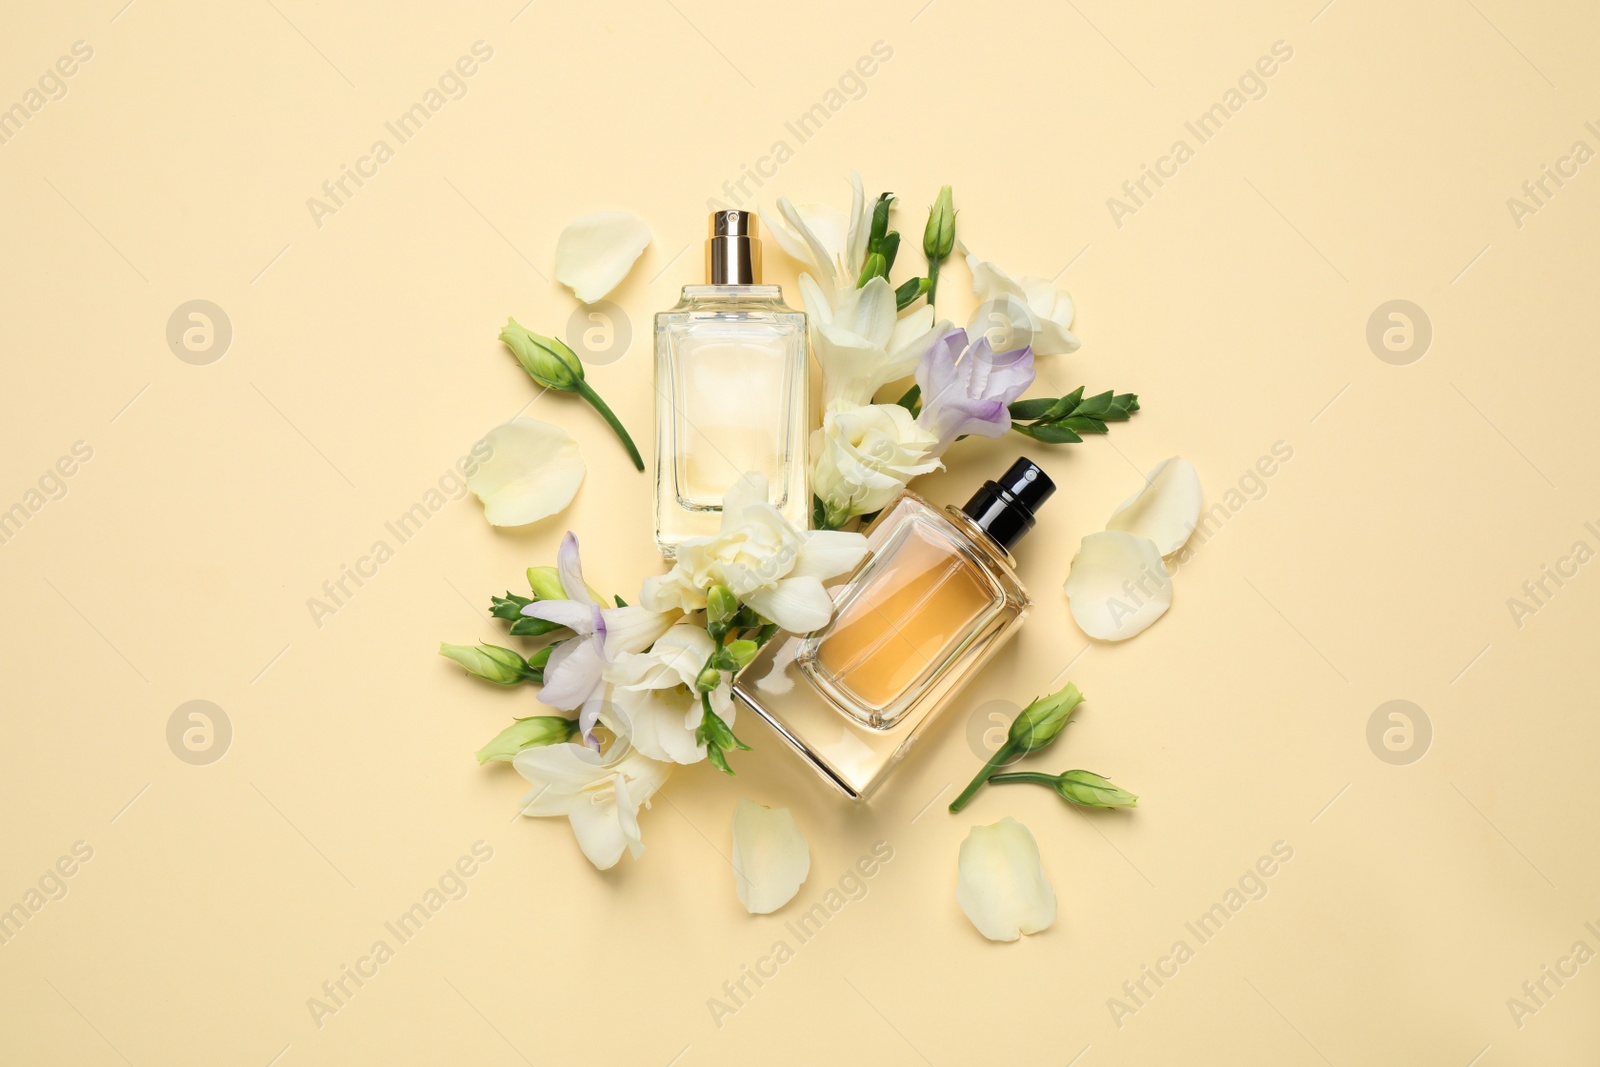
[{"x": 731, "y": 301}]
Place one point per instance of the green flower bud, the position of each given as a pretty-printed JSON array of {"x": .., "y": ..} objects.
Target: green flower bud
[
  {"x": 721, "y": 604},
  {"x": 708, "y": 680},
  {"x": 526, "y": 733},
  {"x": 741, "y": 653},
  {"x": 548, "y": 361},
  {"x": 546, "y": 583},
  {"x": 940, "y": 236},
  {"x": 489, "y": 662},
  {"x": 509, "y": 606},
  {"x": 1092, "y": 791},
  {"x": 874, "y": 266},
  {"x": 1042, "y": 721},
  {"x": 541, "y": 658}
]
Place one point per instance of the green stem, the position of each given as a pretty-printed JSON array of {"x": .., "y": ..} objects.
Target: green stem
[
  {"x": 996, "y": 761},
  {"x": 933, "y": 281},
  {"x": 585, "y": 391},
  {"x": 1036, "y": 777}
]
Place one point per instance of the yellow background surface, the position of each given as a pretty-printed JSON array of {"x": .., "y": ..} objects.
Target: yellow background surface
[{"x": 176, "y": 564}]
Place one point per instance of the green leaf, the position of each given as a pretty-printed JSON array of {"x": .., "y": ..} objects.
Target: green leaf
[
  {"x": 889, "y": 247},
  {"x": 1082, "y": 424},
  {"x": 909, "y": 401},
  {"x": 880, "y": 222},
  {"x": 1033, "y": 408},
  {"x": 527, "y": 626},
  {"x": 909, "y": 293},
  {"x": 1049, "y": 433},
  {"x": 509, "y": 606},
  {"x": 1063, "y": 407}
]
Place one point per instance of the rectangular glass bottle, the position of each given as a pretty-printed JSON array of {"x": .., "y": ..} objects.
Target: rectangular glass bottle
[
  {"x": 935, "y": 598},
  {"x": 731, "y": 395}
]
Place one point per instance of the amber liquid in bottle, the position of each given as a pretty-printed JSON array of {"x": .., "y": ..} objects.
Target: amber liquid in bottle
[{"x": 924, "y": 601}]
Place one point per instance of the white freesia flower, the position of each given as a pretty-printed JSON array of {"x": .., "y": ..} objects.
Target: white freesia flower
[
  {"x": 1166, "y": 510},
  {"x": 770, "y": 857},
  {"x": 860, "y": 343},
  {"x": 1118, "y": 585},
  {"x": 863, "y": 456},
  {"x": 599, "y": 793},
  {"x": 533, "y": 471},
  {"x": 596, "y": 252},
  {"x": 1001, "y": 886},
  {"x": 768, "y": 564},
  {"x": 1030, "y": 311},
  {"x": 653, "y": 698},
  {"x": 574, "y": 676},
  {"x": 831, "y": 244}
]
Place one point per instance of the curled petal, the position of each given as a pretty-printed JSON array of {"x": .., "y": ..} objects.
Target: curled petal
[
  {"x": 573, "y": 673},
  {"x": 1166, "y": 509},
  {"x": 596, "y": 252},
  {"x": 1118, "y": 585},
  {"x": 798, "y": 605},
  {"x": 632, "y": 629},
  {"x": 1001, "y": 886},
  {"x": 770, "y": 857},
  {"x": 656, "y": 722},
  {"x": 828, "y": 553},
  {"x": 579, "y": 618},
  {"x": 533, "y": 471}
]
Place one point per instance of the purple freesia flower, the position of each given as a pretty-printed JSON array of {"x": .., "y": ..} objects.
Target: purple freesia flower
[
  {"x": 966, "y": 389},
  {"x": 573, "y": 679}
]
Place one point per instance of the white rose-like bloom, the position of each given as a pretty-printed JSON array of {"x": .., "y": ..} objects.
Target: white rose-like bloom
[
  {"x": 768, "y": 564},
  {"x": 1037, "y": 314},
  {"x": 863, "y": 456}
]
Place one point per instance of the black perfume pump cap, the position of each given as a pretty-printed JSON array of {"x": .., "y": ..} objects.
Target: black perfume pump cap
[{"x": 1004, "y": 508}]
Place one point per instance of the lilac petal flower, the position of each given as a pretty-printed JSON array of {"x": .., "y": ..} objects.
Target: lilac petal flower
[
  {"x": 574, "y": 678},
  {"x": 967, "y": 389}
]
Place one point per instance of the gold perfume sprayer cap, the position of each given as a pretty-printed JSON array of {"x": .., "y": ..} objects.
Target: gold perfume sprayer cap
[{"x": 733, "y": 252}]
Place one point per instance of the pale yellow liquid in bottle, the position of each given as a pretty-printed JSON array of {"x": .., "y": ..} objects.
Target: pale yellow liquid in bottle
[{"x": 922, "y": 600}]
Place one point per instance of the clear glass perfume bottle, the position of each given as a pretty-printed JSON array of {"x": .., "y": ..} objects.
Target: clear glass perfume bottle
[
  {"x": 936, "y": 596},
  {"x": 730, "y": 390}
]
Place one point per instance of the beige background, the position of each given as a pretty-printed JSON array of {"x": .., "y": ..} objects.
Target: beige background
[{"x": 1377, "y": 566}]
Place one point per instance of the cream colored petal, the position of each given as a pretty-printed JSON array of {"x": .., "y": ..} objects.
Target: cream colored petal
[
  {"x": 798, "y": 605},
  {"x": 634, "y": 628},
  {"x": 533, "y": 471},
  {"x": 828, "y": 554},
  {"x": 770, "y": 857},
  {"x": 596, "y": 825},
  {"x": 1001, "y": 885},
  {"x": 868, "y": 313},
  {"x": 1166, "y": 509},
  {"x": 596, "y": 252},
  {"x": 1118, "y": 585},
  {"x": 655, "y": 722}
]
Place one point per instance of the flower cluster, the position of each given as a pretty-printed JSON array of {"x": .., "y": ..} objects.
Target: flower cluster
[
  {"x": 656, "y": 676},
  {"x": 868, "y": 334}
]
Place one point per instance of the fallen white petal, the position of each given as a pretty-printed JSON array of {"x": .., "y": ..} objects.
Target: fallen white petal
[
  {"x": 1118, "y": 585},
  {"x": 770, "y": 856},
  {"x": 596, "y": 252},
  {"x": 1166, "y": 509},
  {"x": 1001, "y": 885},
  {"x": 533, "y": 471}
]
